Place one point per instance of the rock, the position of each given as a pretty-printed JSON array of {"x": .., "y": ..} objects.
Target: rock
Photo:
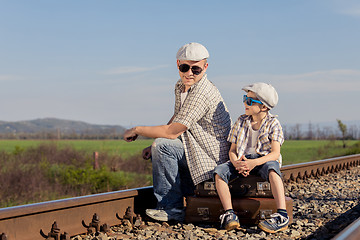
[
  {"x": 210, "y": 230},
  {"x": 188, "y": 227},
  {"x": 321, "y": 207}
]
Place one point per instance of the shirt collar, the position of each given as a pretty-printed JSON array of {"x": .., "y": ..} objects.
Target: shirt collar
[{"x": 268, "y": 116}]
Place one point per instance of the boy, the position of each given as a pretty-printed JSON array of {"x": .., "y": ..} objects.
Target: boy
[{"x": 256, "y": 138}]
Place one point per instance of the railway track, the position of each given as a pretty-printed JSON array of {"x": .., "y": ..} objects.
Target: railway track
[{"x": 61, "y": 219}]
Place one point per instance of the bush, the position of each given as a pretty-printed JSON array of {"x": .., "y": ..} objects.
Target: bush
[{"x": 47, "y": 172}]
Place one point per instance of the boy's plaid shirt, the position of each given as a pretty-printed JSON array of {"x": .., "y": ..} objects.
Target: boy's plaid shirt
[
  {"x": 208, "y": 123},
  {"x": 270, "y": 130}
]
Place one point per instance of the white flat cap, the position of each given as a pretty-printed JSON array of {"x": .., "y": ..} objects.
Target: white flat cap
[
  {"x": 192, "y": 52},
  {"x": 264, "y": 92}
]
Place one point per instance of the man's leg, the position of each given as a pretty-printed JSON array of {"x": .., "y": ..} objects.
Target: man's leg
[
  {"x": 187, "y": 184},
  {"x": 166, "y": 155}
]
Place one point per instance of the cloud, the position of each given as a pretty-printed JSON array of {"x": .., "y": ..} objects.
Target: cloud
[
  {"x": 9, "y": 77},
  {"x": 131, "y": 69},
  {"x": 355, "y": 12},
  {"x": 345, "y": 80},
  {"x": 349, "y": 7}
]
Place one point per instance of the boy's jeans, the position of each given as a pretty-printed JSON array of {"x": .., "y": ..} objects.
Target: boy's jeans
[{"x": 171, "y": 176}]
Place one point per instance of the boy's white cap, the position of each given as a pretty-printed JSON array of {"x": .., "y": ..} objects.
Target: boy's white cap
[
  {"x": 264, "y": 92},
  {"x": 193, "y": 52}
]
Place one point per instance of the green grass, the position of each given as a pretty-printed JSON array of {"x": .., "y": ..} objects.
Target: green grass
[
  {"x": 297, "y": 151},
  {"x": 111, "y": 147},
  {"x": 41, "y": 170},
  {"x": 293, "y": 151},
  {"x": 35, "y": 171}
]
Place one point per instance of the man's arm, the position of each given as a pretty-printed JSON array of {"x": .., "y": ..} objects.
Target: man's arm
[
  {"x": 146, "y": 153},
  {"x": 170, "y": 131},
  {"x": 171, "y": 119}
]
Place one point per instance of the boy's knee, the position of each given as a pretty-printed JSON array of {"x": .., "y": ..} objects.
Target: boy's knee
[
  {"x": 272, "y": 171},
  {"x": 217, "y": 177},
  {"x": 220, "y": 168},
  {"x": 273, "y": 174}
]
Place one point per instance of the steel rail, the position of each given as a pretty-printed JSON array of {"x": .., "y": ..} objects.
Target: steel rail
[
  {"x": 351, "y": 232},
  {"x": 26, "y": 221},
  {"x": 73, "y": 215},
  {"x": 301, "y": 171}
]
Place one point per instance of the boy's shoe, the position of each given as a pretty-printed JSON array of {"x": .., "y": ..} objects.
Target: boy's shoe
[
  {"x": 276, "y": 223},
  {"x": 229, "y": 220},
  {"x": 163, "y": 215}
]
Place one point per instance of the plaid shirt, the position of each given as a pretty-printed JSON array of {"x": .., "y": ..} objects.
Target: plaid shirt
[
  {"x": 208, "y": 123},
  {"x": 270, "y": 130}
]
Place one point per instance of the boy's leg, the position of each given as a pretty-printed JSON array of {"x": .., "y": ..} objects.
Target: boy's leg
[
  {"x": 166, "y": 156},
  {"x": 277, "y": 189},
  {"x": 223, "y": 191},
  {"x": 223, "y": 173},
  {"x": 279, "y": 221}
]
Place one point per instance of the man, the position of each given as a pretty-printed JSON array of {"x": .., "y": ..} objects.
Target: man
[{"x": 194, "y": 141}]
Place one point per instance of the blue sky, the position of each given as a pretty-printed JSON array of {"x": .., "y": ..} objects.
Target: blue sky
[{"x": 113, "y": 62}]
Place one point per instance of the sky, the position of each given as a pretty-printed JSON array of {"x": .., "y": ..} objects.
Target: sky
[{"x": 114, "y": 62}]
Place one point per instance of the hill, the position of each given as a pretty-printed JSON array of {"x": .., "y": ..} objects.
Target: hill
[{"x": 54, "y": 125}]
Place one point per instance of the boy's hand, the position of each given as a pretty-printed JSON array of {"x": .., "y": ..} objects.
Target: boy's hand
[
  {"x": 239, "y": 166},
  {"x": 245, "y": 166}
]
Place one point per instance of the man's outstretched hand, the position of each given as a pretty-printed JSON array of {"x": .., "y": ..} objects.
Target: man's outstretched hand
[{"x": 130, "y": 135}]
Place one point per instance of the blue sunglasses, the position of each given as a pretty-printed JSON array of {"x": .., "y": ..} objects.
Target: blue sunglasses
[{"x": 249, "y": 101}]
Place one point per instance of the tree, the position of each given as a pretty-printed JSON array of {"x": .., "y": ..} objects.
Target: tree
[
  {"x": 342, "y": 128},
  {"x": 310, "y": 132}
]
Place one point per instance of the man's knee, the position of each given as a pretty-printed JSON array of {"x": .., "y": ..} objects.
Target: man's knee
[{"x": 160, "y": 145}]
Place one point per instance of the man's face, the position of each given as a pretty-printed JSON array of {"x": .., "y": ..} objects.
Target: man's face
[{"x": 189, "y": 78}]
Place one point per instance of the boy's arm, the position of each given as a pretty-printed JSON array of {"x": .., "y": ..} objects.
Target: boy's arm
[
  {"x": 232, "y": 154},
  {"x": 272, "y": 156},
  {"x": 236, "y": 162}
]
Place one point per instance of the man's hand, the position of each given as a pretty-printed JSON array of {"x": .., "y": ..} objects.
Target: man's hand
[
  {"x": 146, "y": 153},
  {"x": 130, "y": 135}
]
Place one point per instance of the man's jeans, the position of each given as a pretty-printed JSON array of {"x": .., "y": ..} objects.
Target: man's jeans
[{"x": 171, "y": 176}]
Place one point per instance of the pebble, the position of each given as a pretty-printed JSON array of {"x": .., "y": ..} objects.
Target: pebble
[{"x": 322, "y": 208}]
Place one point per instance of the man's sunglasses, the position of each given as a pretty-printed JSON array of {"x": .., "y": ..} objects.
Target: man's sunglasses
[
  {"x": 195, "y": 69},
  {"x": 249, "y": 101}
]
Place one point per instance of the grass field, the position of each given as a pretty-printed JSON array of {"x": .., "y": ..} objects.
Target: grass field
[
  {"x": 293, "y": 151},
  {"x": 296, "y": 151},
  {"x": 34, "y": 171},
  {"x": 111, "y": 147}
]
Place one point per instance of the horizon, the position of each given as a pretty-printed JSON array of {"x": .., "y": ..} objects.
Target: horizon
[
  {"x": 113, "y": 62},
  {"x": 323, "y": 124}
]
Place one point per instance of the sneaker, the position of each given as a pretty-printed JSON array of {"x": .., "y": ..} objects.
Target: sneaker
[
  {"x": 276, "y": 223},
  {"x": 165, "y": 215},
  {"x": 229, "y": 220}
]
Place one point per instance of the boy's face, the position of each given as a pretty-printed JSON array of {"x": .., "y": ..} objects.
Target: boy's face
[{"x": 255, "y": 108}]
